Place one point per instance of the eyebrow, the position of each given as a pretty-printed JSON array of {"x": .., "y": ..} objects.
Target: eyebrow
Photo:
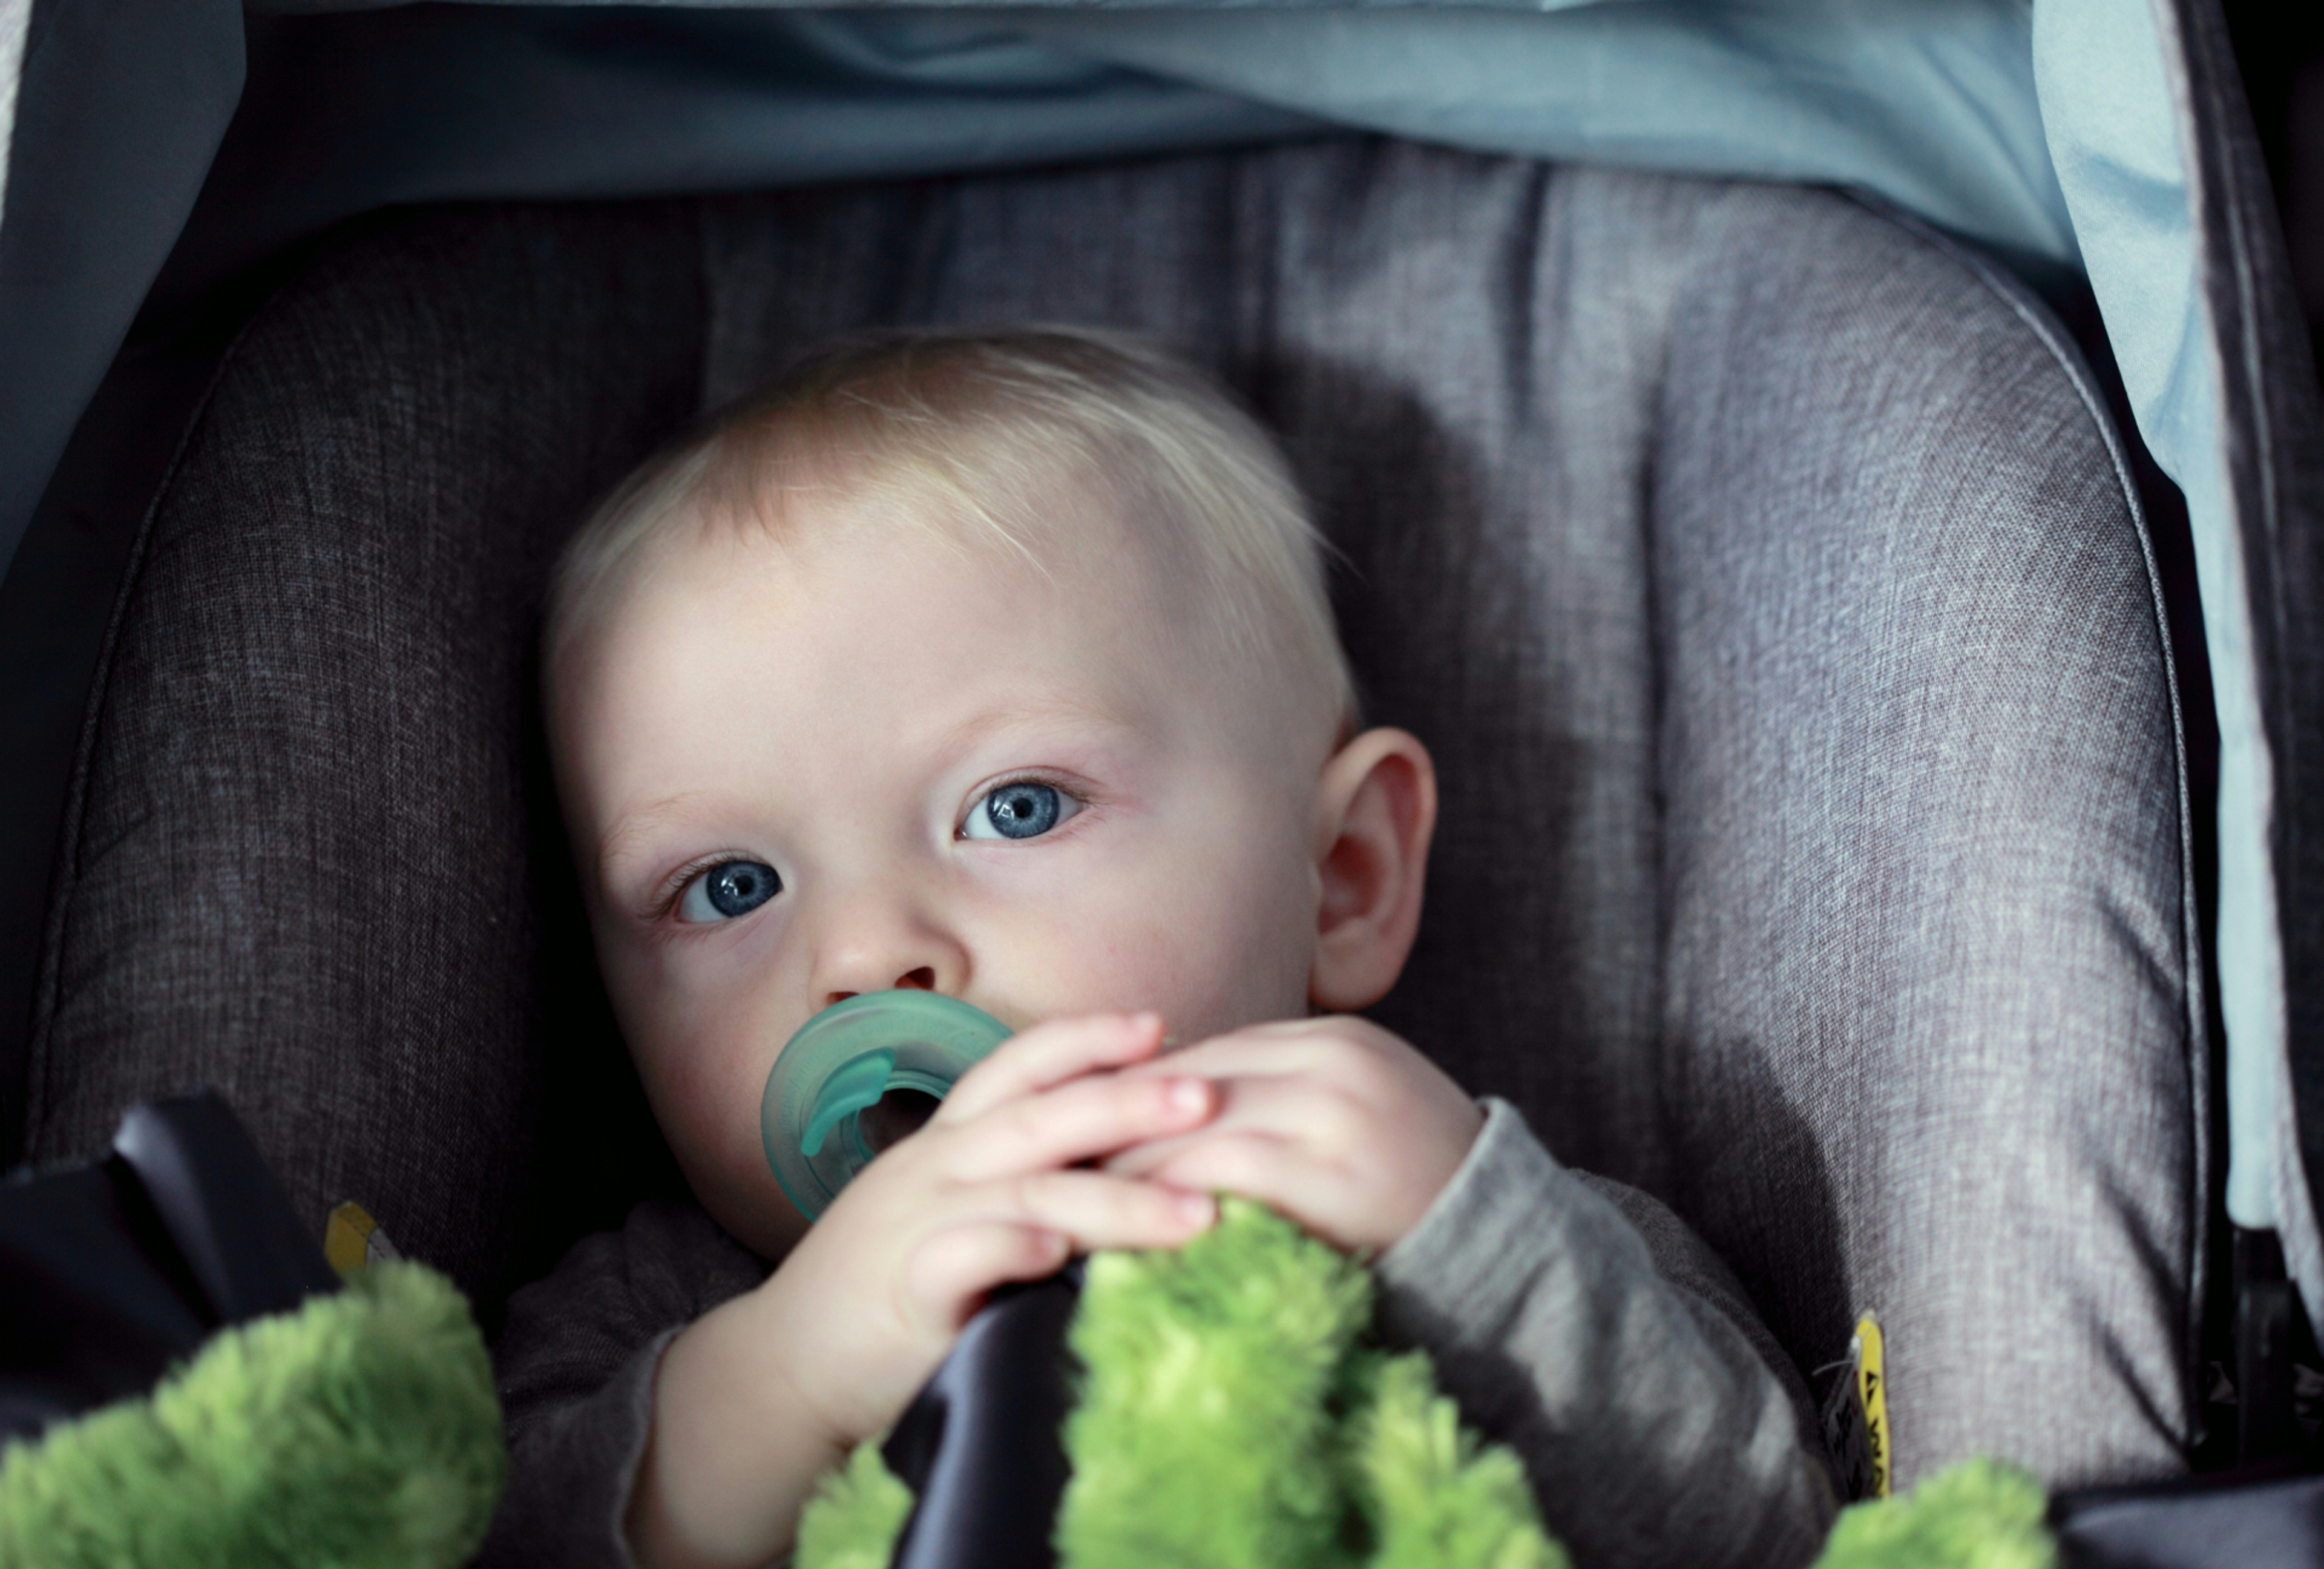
[
  {"x": 636, "y": 825},
  {"x": 1029, "y": 711}
]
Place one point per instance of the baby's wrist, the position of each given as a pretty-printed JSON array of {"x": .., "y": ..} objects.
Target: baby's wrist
[
  {"x": 1428, "y": 1193},
  {"x": 733, "y": 1452},
  {"x": 788, "y": 1348}
]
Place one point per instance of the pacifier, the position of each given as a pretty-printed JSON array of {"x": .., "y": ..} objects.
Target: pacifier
[{"x": 842, "y": 1088}]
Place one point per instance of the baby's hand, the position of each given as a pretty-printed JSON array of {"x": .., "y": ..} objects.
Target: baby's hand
[
  {"x": 874, "y": 1295},
  {"x": 1334, "y": 1122},
  {"x": 761, "y": 1395}
]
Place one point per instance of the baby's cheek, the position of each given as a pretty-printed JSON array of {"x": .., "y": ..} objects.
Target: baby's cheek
[
  {"x": 1209, "y": 954},
  {"x": 705, "y": 1082},
  {"x": 1247, "y": 928}
]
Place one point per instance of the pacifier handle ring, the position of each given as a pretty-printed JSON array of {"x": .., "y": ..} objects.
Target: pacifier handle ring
[{"x": 841, "y": 1062}]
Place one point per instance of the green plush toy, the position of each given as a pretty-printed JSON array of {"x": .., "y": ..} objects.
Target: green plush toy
[
  {"x": 1977, "y": 1515},
  {"x": 1231, "y": 1416},
  {"x": 359, "y": 1432}
]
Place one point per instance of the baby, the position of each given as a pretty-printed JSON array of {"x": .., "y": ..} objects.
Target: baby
[{"x": 999, "y": 664}]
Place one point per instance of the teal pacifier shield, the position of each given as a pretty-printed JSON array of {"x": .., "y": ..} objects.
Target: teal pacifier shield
[{"x": 838, "y": 1066}]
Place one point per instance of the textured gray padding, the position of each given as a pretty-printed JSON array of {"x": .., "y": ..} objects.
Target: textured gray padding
[
  {"x": 1930, "y": 975},
  {"x": 302, "y": 863},
  {"x": 1811, "y": 850}
]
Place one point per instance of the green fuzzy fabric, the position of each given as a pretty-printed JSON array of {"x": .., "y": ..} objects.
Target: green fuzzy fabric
[
  {"x": 1977, "y": 1515},
  {"x": 1198, "y": 1363},
  {"x": 857, "y": 1513},
  {"x": 1430, "y": 1494},
  {"x": 359, "y": 1432},
  {"x": 1229, "y": 1418}
]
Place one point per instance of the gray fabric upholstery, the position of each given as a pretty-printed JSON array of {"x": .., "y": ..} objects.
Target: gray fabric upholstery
[
  {"x": 1929, "y": 979},
  {"x": 1812, "y": 850},
  {"x": 303, "y": 863}
]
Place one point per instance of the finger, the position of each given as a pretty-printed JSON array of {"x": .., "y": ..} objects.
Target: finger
[
  {"x": 1290, "y": 1047},
  {"x": 1316, "y": 1193},
  {"x": 1080, "y": 1120},
  {"x": 950, "y": 1273},
  {"x": 1050, "y": 1054},
  {"x": 1297, "y": 1109},
  {"x": 1094, "y": 1210}
]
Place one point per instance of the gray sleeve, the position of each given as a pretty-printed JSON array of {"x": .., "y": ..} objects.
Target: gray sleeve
[
  {"x": 575, "y": 1364},
  {"x": 1582, "y": 1323}
]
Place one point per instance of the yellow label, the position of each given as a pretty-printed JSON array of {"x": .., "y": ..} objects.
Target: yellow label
[
  {"x": 1872, "y": 1393},
  {"x": 346, "y": 1238}
]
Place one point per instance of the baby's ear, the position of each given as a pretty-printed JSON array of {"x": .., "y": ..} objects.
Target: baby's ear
[{"x": 1375, "y": 810}]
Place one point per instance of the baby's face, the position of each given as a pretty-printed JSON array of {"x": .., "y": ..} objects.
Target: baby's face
[{"x": 870, "y": 758}]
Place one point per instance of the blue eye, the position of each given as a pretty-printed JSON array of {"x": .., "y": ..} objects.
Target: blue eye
[
  {"x": 1023, "y": 810},
  {"x": 727, "y": 889}
]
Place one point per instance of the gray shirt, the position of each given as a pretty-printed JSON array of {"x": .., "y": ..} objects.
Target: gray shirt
[{"x": 1574, "y": 1319}]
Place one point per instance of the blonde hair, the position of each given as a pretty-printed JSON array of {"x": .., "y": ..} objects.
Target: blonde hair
[{"x": 990, "y": 423}]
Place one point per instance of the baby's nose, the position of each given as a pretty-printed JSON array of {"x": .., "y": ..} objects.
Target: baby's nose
[
  {"x": 923, "y": 979},
  {"x": 880, "y": 936}
]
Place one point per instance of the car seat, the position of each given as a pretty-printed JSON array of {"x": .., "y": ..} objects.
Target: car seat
[{"x": 1763, "y": 570}]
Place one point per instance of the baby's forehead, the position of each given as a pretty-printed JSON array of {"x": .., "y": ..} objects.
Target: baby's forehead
[
  {"x": 1080, "y": 572},
  {"x": 1062, "y": 528},
  {"x": 1082, "y": 546},
  {"x": 901, "y": 648},
  {"x": 1076, "y": 618}
]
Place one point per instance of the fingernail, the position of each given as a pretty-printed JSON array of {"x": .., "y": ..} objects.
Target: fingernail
[
  {"x": 1190, "y": 1094},
  {"x": 1199, "y": 1209},
  {"x": 1145, "y": 1023}
]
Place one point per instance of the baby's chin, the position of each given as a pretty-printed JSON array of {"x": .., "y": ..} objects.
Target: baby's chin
[{"x": 751, "y": 1207}]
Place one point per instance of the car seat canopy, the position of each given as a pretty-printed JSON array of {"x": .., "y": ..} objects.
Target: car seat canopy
[{"x": 1813, "y": 848}]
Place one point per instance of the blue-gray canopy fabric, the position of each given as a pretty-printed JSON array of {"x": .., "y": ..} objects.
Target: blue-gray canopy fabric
[{"x": 2099, "y": 138}]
